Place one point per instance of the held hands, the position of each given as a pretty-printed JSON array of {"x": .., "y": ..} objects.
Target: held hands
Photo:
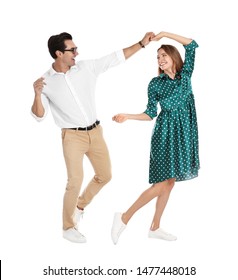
[
  {"x": 38, "y": 86},
  {"x": 150, "y": 36},
  {"x": 120, "y": 118},
  {"x": 147, "y": 38},
  {"x": 158, "y": 36}
]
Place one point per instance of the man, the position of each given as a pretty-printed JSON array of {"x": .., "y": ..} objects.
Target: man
[{"x": 68, "y": 88}]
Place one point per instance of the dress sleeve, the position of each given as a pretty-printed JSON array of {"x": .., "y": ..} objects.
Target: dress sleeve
[
  {"x": 152, "y": 108},
  {"x": 188, "y": 65}
]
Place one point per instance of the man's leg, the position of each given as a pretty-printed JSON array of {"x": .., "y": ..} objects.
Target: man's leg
[
  {"x": 75, "y": 145},
  {"x": 99, "y": 157}
]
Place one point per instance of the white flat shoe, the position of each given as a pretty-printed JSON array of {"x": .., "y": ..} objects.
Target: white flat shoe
[
  {"x": 73, "y": 235},
  {"x": 117, "y": 227},
  {"x": 161, "y": 234}
]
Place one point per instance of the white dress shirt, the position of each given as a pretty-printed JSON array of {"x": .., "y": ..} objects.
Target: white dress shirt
[{"x": 71, "y": 96}]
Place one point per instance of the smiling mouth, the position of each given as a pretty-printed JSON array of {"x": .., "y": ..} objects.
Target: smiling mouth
[{"x": 162, "y": 65}]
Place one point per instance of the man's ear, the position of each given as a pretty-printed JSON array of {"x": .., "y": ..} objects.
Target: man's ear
[{"x": 58, "y": 53}]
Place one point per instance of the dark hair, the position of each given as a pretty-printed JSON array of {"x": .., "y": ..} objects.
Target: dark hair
[
  {"x": 56, "y": 43},
  {"x": 175, "y": 56}
]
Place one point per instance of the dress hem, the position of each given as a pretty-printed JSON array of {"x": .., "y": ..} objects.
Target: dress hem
[{"x": 177, "y": 179}]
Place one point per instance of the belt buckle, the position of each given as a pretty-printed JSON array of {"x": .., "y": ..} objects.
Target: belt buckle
[{"x": 91, "y": 126}]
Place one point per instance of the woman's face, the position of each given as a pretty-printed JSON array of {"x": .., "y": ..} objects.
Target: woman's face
[{"x": 165, "y": 61}]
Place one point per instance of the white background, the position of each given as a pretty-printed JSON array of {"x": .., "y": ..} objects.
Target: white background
[{"x": 201, "y": 212}]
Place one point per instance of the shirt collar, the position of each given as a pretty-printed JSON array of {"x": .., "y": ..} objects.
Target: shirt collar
[{"x": 53, "y": 72}]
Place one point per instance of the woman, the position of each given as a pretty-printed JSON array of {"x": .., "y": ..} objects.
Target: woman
[{"x": 174, "y": 143}]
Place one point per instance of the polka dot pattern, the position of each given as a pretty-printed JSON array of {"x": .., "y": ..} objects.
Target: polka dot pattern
[{"x": 174, "y": 143}]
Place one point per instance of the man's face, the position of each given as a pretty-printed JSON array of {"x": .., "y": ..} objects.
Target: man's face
[{"x": 69, "y": 54}]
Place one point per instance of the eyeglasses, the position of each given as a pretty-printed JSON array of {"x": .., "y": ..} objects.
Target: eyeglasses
[{"x": 72, "y": 50}]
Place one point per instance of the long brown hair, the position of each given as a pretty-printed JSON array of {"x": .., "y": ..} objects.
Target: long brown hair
[{"x": 175, "y": 56}]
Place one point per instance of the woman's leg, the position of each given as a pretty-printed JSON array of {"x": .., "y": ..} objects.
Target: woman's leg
[
  {"x": 161, "y": 190},
  {"x": 161, "y": 203}
]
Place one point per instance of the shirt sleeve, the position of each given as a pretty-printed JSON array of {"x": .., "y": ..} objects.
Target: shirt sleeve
[
  {"x": 188, "y": 65},
  {"x": 45, "y": 103},
  {"x": 152, "y": 107},
  {"x": 104, "y": 63}
]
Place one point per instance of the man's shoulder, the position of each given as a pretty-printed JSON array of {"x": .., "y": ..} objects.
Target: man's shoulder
[
  {"x": 84, "y": 64},
  {"x": 47, "y": 73}
]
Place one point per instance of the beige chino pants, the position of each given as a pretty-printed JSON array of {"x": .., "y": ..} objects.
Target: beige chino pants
[{"x": 76, "y": 144}]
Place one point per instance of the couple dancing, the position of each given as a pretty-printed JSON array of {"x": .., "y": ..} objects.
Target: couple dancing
[{"x": 68, "y": 89}]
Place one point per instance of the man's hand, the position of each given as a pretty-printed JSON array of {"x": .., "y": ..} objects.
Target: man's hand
[
  {"x": 38, "y": 86},
  {"x": 147, "y": 38},
  {"x": 37, "y": 107},
  {"x": 128, "y": 52}
]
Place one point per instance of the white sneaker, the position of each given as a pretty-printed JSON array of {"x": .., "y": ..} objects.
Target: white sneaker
[
  {"x": 78, "y": 215},
  {"x": 161, "y": 234},
  {"x": 73, "y": 235},
  {"x": 117, "y": 227}
]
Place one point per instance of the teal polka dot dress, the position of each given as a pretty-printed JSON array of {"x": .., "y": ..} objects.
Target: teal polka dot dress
[{"x": 174, "y": 142}]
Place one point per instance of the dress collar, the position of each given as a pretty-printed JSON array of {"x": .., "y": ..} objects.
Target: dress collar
[{"x": 165, "y": 76}]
